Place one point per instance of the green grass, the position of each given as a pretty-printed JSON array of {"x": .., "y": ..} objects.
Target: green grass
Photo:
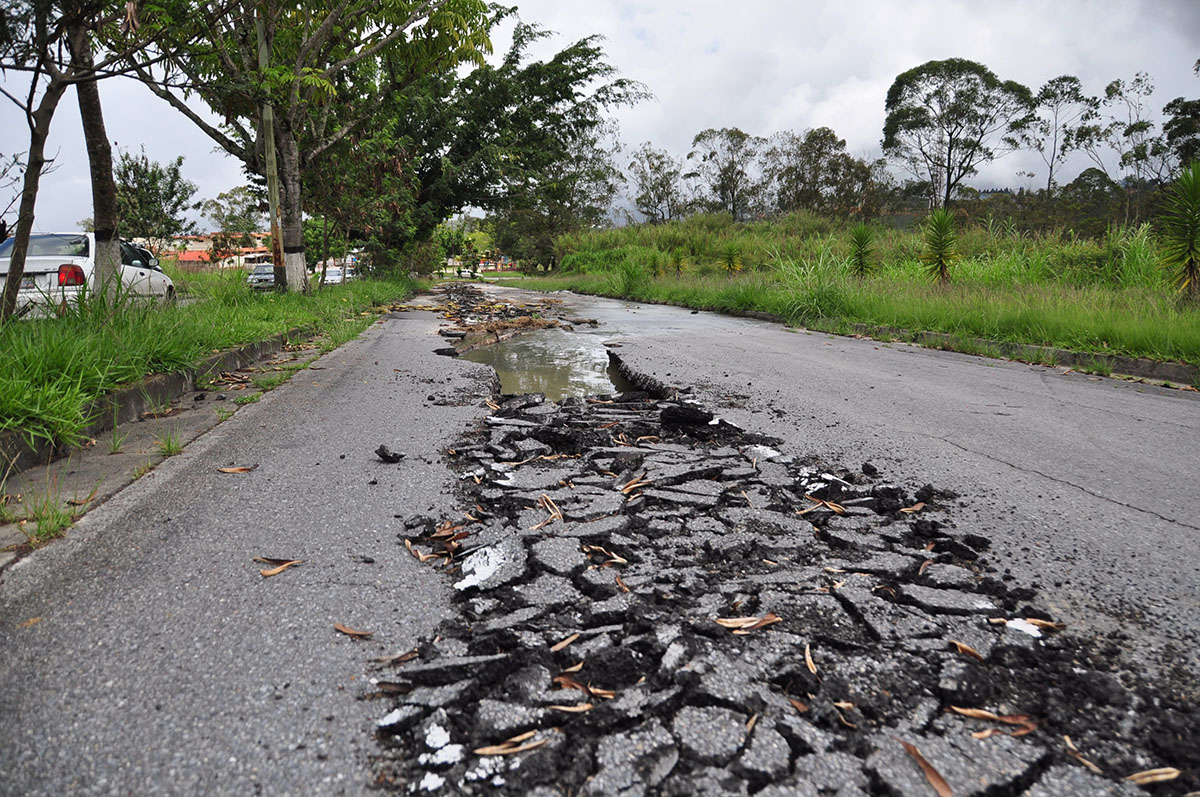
[
  {"x": 168, "y": 443},
  {"x": 52, "y": 369},
  {"x": 1101, "y": 297},
  {"x": 247, "y": 398}
]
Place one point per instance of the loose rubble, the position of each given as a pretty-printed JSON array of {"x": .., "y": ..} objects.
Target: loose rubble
[{"x": 653, "y": 600}]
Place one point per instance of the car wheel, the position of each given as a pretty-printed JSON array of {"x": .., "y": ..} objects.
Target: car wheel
[{"x": 171, "y": 294}]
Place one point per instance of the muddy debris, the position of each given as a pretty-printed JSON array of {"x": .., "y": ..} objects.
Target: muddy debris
[{"x": 654, "y": 601}]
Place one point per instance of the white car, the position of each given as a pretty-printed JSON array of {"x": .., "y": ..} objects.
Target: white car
[
  {"x": 333, "y": 276},
  {"x": 60, "y": 267}
]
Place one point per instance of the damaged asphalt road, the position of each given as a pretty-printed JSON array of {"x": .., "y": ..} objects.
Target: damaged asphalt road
[
  {"x": 625, "y": 595},
  {"x": 652, "y": 600}
]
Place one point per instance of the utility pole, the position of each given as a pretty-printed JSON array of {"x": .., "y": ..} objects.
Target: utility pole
[{"x": 268, "y": 134}]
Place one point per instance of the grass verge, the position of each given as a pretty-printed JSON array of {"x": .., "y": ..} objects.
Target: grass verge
[
  {"x": 51, "y": 370},
  {"x": 1094, "y": 297}
]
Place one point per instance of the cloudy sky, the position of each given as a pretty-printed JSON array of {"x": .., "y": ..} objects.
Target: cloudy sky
[{"x": 760, "y": 65}]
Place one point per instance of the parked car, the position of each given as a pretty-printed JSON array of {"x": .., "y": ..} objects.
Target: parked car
[
  {"x": 262, "y": 277},
  {"x": 147, "y": 257},
  {"x": 333, "y": 276},
  {"x": 61, "y": 267}
]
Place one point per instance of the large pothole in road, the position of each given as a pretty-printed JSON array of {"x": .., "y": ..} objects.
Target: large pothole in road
[{"x": 655, "y": 601}]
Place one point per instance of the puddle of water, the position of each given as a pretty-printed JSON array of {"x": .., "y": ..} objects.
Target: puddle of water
[{"x": 551, "y": 361}]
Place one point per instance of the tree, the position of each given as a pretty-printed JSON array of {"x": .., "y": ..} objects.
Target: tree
[
  {"x": 1181, "y": 131},
  {"x": 323, "y": 50},
  {"x": 1127, "y": 132},
  {"x": 490, "y": 138},
  {"x": 574, "y": 192},
  {"x": 234, "y": 216},
  {"x": 1092, "y": 201},
  {"x": 944, "y": 119},
  {"x": 814, "y": 172},
  {"x": 657, "y": 180},
  {"x": 728, "y": 170},
  {"x": 1061, "y": 108},
  {"x": 152, "y": 198}
]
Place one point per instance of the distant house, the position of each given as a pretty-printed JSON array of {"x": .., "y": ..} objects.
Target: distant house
[{"x": 196, "y": 250}]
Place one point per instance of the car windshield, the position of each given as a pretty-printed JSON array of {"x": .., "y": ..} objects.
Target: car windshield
[
  {"x": 50, "y": 246},
  {"x": 261, "y": 270}
]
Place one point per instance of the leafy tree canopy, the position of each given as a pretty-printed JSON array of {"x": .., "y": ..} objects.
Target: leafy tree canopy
[
  {"x": 945, "y": 118},
  {"x": 152, "y": 198}
]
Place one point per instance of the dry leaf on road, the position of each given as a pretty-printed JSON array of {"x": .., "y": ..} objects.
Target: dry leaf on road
[
  {"x": 279, "y": 565},
  {"x": 350, "y": 632},
  {"x": 1160, "y": 775},
  {"x": 934, "y": 777},
  {"x": 237, "y": 469}
]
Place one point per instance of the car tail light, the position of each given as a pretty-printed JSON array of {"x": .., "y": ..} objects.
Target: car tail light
[{"x": 70, "y": 274}]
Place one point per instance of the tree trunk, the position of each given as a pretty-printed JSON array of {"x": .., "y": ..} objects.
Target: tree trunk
[
  {"x": 293, "y": 218},
  {"x": 39, "y": 129},
  {"x": 104, "y": 188}
]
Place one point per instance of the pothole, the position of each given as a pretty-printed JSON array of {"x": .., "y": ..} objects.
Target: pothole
[{"x": 554, "y": 362}]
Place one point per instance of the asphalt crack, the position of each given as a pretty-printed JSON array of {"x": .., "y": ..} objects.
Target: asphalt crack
[{"x": 1068, "y": 483}]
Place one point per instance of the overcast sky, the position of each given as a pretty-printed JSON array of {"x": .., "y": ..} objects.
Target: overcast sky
[{"x": 760, "y": 65}]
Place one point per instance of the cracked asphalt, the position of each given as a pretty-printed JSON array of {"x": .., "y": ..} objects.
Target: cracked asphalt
[
  {"x": 144, "y": 653},
  {"x": 1082, "y": 483}
]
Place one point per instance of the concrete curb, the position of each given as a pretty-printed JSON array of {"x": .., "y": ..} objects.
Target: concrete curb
[{"x": 127, "y": 403}]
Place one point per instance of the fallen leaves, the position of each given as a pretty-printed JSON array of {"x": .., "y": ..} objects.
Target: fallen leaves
[
  {"x": 1025, "y": 723},
  {"x": 567, "y": 682},
  {"x": 798, "y": 705},
  {"x": 555, "y": 648},
  {"x": 576, "y": 708},
  {"x": 967, "y": 650},
  {"x": 914, "y": 509},
  {"x": 547, "y": 503},
  {"x": 352, "y": 633},
  {"x": 1160, "y": 775},
  {"x": 808, "y": 659},
  {"x": 821, "y": 503},
  {"x": 277, "y": 565},
  {"x": 636, "y": 483},
  {"x": 517, "y": 744},
  {"x": 934, "y": 777},
  {"x": 237, "y": 469},
  {"x": 609, "y": 558},
  {"x": 1073, "y": 751},
  {"x": 399, "y": 658},
  {"x": 421, "y": 557},
  {"x": 30, "y": 623},
  {"x": 744, "y": 625}
]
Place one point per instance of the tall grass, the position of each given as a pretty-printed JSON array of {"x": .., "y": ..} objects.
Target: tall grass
[
  {"x": 1102, "y": 296},
  {"x": 52, "y": 369}
]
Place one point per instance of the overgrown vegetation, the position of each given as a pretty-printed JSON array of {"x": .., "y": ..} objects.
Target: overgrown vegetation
[
  {"x": 1107, "y": 296},
  {"x": 51, "y": 370}
]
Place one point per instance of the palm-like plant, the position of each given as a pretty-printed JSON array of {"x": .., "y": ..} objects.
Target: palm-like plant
[
  {"x": 731, "y": 258},
  {"x": 1180, "y": 225},
  {"x": 679, "y": 260},
  {"x": 940, "y": 240},
  {"x": 862, "y": 250}
]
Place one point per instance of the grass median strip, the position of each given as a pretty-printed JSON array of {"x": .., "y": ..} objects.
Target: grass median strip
[{"x": 54, "y": 368}]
